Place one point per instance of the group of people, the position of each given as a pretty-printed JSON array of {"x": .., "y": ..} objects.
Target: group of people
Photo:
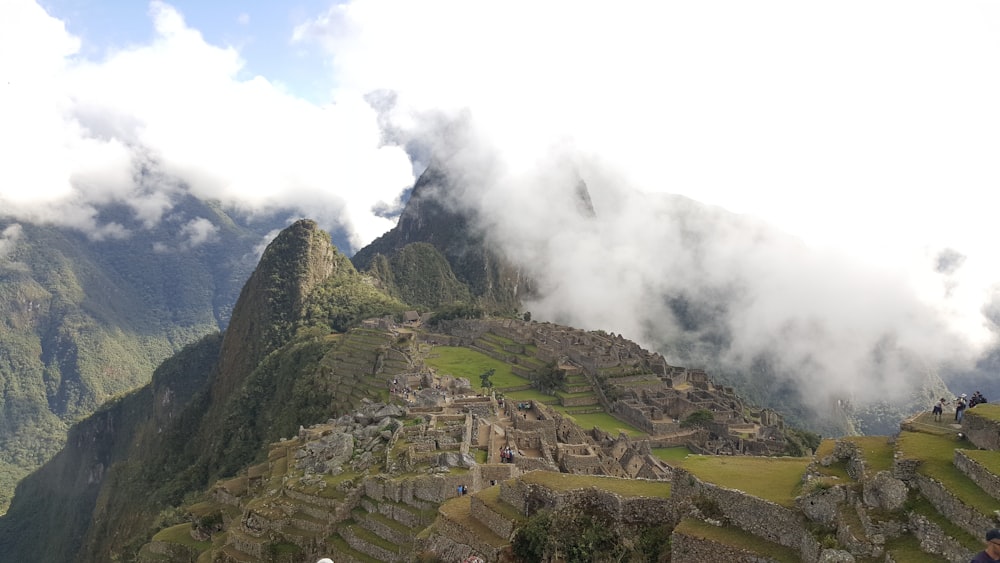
[
  {"x": 506, "y": 454},
  {"x": 961, "y": 403}
]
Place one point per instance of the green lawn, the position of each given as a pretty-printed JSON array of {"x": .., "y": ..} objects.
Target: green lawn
[
  {"x": 672, "y": 455},
  {"x": 876, "y": 450},
  {"x": 989, "y": 411},
  {"x": 623, "y": 487},
  {"x": 602, "y": 420},
  {"x": 463, "y": 362},
  {"x": 529, "y": 395},
  {"x": 772, "y": 478}
]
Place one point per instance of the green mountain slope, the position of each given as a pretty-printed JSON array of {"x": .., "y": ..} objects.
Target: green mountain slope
[
  {"x": 206, "y": 413},
  {"x": 84, "y": 320}
]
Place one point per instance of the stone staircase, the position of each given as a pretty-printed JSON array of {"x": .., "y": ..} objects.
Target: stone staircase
[
  {"x": 380, "y": 529},
  {"x": 479, "y": 523}
]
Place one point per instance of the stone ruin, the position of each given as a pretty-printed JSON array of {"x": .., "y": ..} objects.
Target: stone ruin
[{"x": 631, "y": 383}]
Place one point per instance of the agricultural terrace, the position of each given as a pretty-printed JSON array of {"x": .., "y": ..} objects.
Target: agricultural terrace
[
  {"x": 463, "y": 362},
  {"x": 776, "y": 479},
  {"x": 673, "y": 455},
  {"x": 601, "y": 420},
  {"x": 936, "y": 454},
  {"x": 624, "y": 487}
]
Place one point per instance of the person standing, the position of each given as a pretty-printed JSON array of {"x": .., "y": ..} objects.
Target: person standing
[
  {"x": 938, "y": 410},
  {"x": 960, "y": 405},
  {"x": 992, "y": 552}
]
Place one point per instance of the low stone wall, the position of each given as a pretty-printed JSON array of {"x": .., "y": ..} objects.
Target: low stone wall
[
  {"x": 173, "y": 552},
  {"x": 933, "y": 540},
  {"x": 762, "y": 518},
  {"x": 688, "y": 549},
  {"x": 981, "y": 430},
  {"x": 961, "y": 514},
  {"x": 578, "y": 401},
  {"x": 460, "y": 534},
  {"x": 500, "y": 525},
  {"x": 987, "y": 481}
]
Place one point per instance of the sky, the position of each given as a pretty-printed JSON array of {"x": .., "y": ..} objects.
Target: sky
[{"x": 865, "y": 133}]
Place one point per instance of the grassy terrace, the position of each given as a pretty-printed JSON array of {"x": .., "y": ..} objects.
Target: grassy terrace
[
  {"x": 673, "y": 455},
  {"x": 736, "y": 537},
  {"x": 458, "y": 509},
  {"x": 776, "y": 479},
  {"x": 987, "y": 411},
  {"x": 491, "y": 498},
  {"x": 936, "y": 454},
  {"x": 907, "y": 548},
  {"x": 181, "y": 534},
  {"x": 602, "y": 420},
  {"x": 623, "y": 487},
  {"x": 989, "y": 459},
  {"x": 838, "y": 470},
  {"x": 529, "y": 395},
  {"x": 463, "y": 362},
  {"x": 922, "y": 506},
  {"x": 876, "y": 451}
]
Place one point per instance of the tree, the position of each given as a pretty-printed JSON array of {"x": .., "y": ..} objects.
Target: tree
[
  {"x": 484, "y": 378},
  {"x": 700, "y": 417}
]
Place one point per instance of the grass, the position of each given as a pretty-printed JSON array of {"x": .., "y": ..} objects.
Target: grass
[
  {"x": 491, "y": 498},
  {"x": 458, "y": 509},
  {"x": 988, "y": 411},
  {"x": 527, "y": 395},
  {"x": 602, "y": 420},
  {"x": 736, "y": 537},
  {"x": 776, "y": 479},
  {"x": 876, "y": 450},
  {"x": 936, "y": 454},
  {"x": 989, "y": 459},
  {"x": 181, "y": 534},
  {"x": 623, "y": 487},
  {"x": 907, "y": 548},
  {"x": 922, "y": 506},
  {"x": 672, "y": 455},
  {"x": 463, "y": 362}
]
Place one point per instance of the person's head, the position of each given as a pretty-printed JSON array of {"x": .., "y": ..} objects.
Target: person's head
[{"x": 993, "y": 543}]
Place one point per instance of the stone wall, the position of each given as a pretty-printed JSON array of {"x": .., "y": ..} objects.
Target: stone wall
[
  {"x": 935, "y": 541},
  {"x": 981, "y": 430},
  {"x": 762, "y": 518},
  {"x": 689, "y": 549},
  {"x": 961, "y": 514},
  {"x": 987, "y": 481},
  {"x": 500, "y": 525}
]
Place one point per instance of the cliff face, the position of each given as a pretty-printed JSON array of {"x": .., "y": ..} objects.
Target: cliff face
[{"x": 492, "y": 279}]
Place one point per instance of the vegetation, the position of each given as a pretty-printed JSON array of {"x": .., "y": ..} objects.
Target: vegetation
[
  {"x": 772, "y": 478},
  {"x": 467, "y": 363},
  {"x": 699, "y": 418}
]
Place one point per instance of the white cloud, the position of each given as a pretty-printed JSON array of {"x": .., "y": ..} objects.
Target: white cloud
[
  {"x": 8, "y": 240},
  {"x": 176, "y": 109},
  {"x": 865, "y": 129},
  {"x": 199, "y": 231}
]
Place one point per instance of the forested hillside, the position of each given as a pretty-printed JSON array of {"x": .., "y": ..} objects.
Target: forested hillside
[{"x": 87, "y": 319}]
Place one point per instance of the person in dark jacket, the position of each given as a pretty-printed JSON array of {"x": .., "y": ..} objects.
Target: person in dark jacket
[{"x": 992, "y": 551}]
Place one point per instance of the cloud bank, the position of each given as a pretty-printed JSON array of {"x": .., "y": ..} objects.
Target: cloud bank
[
  {"x": 863, "y": 130},
  {"x": 149, "y": 122}
]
